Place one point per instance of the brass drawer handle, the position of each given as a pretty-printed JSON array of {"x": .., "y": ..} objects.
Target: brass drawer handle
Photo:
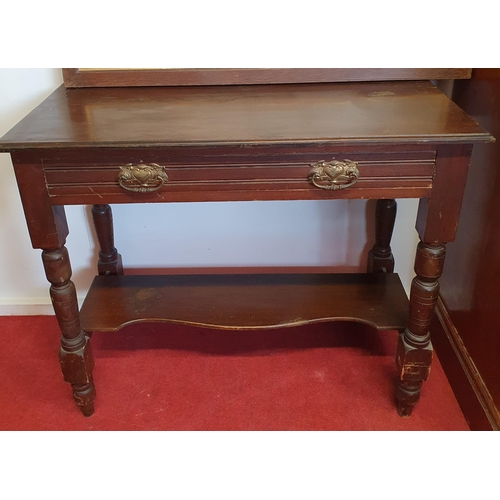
[
  {"x": 142, "y": 178},
  {"x": 333, "y": 175}
]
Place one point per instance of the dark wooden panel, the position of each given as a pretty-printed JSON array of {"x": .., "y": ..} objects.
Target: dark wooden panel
[
  {"x": 470, "y": 390},
  {"x": 47, "y": 224},
  {"x": 76, "y": 77},
  {"x": 357, "y": 113},
  {"x": 230, "y": 181},
  {"x": 438, "y": 214},
  {"x": 245, "y": 301},
  {"x": 229, "y": 174},
  {"x": 470, "y": 287},
  {"x": 246, "y": 172}
]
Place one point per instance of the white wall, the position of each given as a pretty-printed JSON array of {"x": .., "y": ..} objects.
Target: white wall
[{"x": 312, "y": 233}]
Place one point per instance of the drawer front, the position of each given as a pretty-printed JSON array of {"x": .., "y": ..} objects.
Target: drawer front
[{"x": 128, "y": 177}]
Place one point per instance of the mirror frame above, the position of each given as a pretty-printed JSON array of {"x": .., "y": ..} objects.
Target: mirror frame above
[{"x": 143, "y": 77}]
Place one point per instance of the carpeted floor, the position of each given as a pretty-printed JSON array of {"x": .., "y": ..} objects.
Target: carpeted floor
[{"x": 168, "y": 377}]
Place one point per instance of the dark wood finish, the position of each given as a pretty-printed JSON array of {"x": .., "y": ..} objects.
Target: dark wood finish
[
  {"x": 466, "y": 338},
  {"x": 437, "y": 217},
  {"x": 243, "y": 143},
  {"x": 472, "y": 393},
  {"x": 75, "y": 355},
  {"x": 80, "y": 77},
  {"x": 380, "y": 258},
  {"x": 414, "y": 354},
  {"x": 47, "y": 225},
  {"x": 110, "y": 261},
  {"x": 352, "y": 114},
  {"x": 230, "y": 174},
  {"x": 245, "y": 301}
]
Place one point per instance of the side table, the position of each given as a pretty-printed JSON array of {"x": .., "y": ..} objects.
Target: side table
[{"x": 381, "y": 141}]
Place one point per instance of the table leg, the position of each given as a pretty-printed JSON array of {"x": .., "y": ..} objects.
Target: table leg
[
  {"x": 414, "y": 353},
  {"x": 110, "y": 261},
  {"x": 380, "y": 258},
  {"x": 75, "y": 354}
]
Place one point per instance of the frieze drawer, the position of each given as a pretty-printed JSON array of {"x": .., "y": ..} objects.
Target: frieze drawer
[{"x": 306, "y": 175}]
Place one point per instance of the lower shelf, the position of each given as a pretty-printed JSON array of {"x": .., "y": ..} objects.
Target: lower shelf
[{"x": 260, "y": 301}]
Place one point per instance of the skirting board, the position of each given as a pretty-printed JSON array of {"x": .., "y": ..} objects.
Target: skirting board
[
  {"x": 470, "y": 390},
  {"x": 29, "y": 306}
]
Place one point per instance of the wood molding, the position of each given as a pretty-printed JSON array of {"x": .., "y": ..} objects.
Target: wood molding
[
  {"x": 470, "y": 390},
  {"x": 109, "y": 77}
]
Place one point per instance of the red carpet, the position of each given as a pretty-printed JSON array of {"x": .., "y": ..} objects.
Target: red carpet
[{"x": 164, "y": 377}]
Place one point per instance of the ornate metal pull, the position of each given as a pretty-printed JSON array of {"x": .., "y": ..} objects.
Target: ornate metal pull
[
  {"x": 142, "y": 178},
  {"x": 333, "y": 174}
]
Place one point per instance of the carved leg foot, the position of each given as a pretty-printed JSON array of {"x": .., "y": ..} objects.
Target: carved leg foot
[
  {"x": 84, "y": 396},
  {"x": 407, "y": 396},
  {"x": 380, "y": 258},
  {"x": 414, "y": 353},
  {"x": 77, "y": 364},
  {"x": 110, "y": 261}
]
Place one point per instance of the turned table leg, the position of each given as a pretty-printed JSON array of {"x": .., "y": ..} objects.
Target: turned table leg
[
  {"x": 380, "y": 258},
  {"x": 414, "y": 353},
  {"x": 75, "y": 354},
  {"x": 110, "y": 261}
]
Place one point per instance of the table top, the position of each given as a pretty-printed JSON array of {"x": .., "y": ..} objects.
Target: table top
[{"x": 353, "y": 113}]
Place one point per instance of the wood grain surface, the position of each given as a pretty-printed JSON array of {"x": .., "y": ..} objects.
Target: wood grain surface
[
  {"x": 245, "y": 301},
  {"x": 106, "y": 77},
  {"x": 354, "y": 113}
]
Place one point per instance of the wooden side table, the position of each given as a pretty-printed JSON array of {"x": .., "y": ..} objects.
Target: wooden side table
[{"x": 323, "y": 141}]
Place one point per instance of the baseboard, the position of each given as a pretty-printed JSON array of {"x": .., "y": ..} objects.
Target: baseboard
[
  {"x": 28, "y": 307},
  {"x": 470, "y": 390}
]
